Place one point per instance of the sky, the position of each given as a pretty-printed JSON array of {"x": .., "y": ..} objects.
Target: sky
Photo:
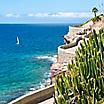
[{"x": 47, "y": 11}]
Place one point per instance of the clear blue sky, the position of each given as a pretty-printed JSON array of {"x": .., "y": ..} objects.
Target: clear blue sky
[{"x": 43, "y": 10}]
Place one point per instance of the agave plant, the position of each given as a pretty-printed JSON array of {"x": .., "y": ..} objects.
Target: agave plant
[{"x": 83, "y": 82}]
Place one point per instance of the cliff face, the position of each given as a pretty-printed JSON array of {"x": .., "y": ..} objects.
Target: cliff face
[
  {"x": 74, "y": 37},
  {"x": 66, "y": 52}
]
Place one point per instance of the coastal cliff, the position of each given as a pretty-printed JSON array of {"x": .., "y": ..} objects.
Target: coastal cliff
[
  {"x": 72, "y": 40},
  {"x": 66, "y": 52}
]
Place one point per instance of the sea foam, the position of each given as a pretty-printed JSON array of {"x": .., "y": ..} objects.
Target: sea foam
[{"x": 50, "y": 58}]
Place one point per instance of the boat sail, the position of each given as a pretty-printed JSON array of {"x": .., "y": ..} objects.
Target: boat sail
[{"x": 17, "y": 40}]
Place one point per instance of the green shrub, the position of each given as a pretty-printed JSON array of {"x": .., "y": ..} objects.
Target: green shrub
[{"x": 96, "y": 19}]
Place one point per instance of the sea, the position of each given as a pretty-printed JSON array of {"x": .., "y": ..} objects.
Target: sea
[{"x": 26, "y": 66}]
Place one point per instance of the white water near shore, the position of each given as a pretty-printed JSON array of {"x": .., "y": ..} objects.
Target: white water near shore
[
  {"x": 47, "y": 75},
  {"x": 47, "y": 81},
  {"x": 47, "y": 57}
]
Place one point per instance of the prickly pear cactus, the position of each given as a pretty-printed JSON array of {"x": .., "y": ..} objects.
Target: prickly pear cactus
[{"x": 83, "y": 82}]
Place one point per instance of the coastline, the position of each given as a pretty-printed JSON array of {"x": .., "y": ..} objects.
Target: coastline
[
  {"x": 21, "y": 60},
  {"x": 60, "y": 61},
  {"x": 24, "y": 62},
  {"x": 55, "y": 59},
  {"x": 42, "y": 86}
]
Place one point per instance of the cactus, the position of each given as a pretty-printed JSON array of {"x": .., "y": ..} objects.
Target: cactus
[{"x": 83, "y": 82}]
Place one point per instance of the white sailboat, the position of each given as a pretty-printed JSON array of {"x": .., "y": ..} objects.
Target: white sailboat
[{"x": 17, "y": 40}]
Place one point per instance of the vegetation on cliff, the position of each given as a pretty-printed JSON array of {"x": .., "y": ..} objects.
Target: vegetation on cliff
[
  {"x": 83, "y": 82},
  {"x": 96, "y": 17}
]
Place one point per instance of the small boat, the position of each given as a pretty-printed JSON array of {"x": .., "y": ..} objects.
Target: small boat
[{"x": 17, "y": 39}]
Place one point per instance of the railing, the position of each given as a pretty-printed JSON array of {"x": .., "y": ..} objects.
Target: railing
[{"x": 35, "y": 96}]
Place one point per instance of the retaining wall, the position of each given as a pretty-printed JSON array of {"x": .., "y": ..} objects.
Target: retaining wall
[{"x": 66, "y": 55}]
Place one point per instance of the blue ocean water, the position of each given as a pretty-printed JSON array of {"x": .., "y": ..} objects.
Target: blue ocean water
[{"x": 20, "y": 69}]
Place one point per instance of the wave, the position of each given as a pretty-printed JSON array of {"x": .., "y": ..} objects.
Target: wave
[
  {"x": 42, "y": 84},
  {"x": 47, "y": 75},
  {"x": 50, "y": 58}
]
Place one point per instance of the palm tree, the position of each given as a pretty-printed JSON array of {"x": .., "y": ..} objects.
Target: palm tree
[{"x": 94, "y": 10}]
